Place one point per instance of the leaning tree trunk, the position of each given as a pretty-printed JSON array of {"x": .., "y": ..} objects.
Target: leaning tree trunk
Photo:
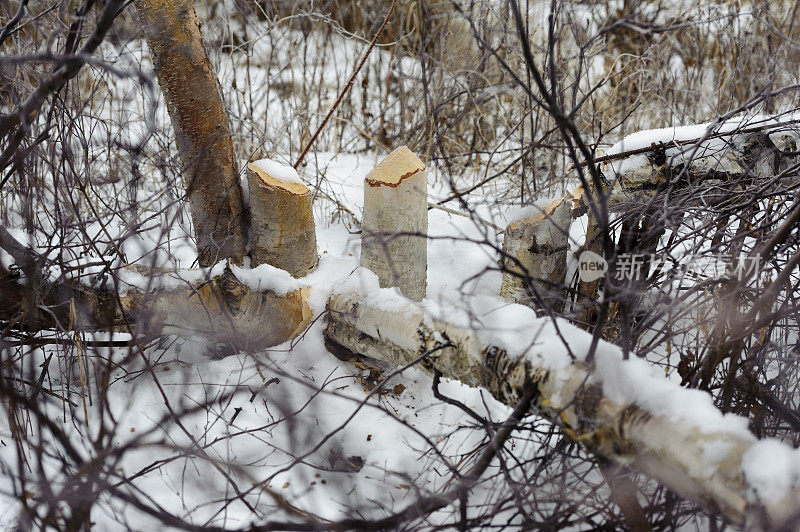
[{"x": 201, "y": 127}]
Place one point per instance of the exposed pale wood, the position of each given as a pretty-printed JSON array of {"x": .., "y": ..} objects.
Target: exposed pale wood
[
  {"x": 221, "y": 309},
  {"x": 535, "y": 251},
  {"x": 224, "y": 310},
  {"x": 282, "y": 223},
  {"x": 194, "y": 103},
  {"x": 395, "y": 223},
  {"x": 663, "y": 448}
]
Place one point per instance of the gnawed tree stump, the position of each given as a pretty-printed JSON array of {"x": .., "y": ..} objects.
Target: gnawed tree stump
[
  {"x": 701, "y": 460},
  {"x": 535, "y": 250},
  {"x": 395, "y": 223},
  {"x": 282, "y": 220}
]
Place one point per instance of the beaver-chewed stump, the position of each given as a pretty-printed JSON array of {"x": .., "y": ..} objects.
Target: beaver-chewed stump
[
  {"x": 395, "y": 225},
  {"x": 281, "y": 218}
]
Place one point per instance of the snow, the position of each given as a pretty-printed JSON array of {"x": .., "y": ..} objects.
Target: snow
[
  {"x": 772, "y": 470},
  {"x": 529, "y": 211},
  {"x": 678, "y": 140},
  {"x": 280, "y": 171},
  {"x": 637, "y": 381},
  {"x": 267, "y": 277},
  {"x": 317, "y": 392}
]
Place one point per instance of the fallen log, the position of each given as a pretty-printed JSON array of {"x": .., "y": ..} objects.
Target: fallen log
[
  {"x": 217, "y": 303},
  {"x": 222, "y": 308},
  {"x": 619, "y": 409}
]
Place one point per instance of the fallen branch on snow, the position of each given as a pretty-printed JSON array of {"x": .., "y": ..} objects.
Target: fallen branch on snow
[{"x": 619, "y": 409}]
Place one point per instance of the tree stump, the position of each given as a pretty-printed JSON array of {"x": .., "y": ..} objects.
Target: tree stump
[
  {"x": 281, "y": 217},
  {"x": 535, "y": 256},
  {"x": 395, "y": 225}
]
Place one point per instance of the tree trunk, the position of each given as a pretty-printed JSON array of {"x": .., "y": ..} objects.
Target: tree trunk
[
  {"x": 395, "y": 224},
  {"x": 675, "y": 452},
  {"x": 202, "y": 132},
  {"x": 282, "y": 220}
]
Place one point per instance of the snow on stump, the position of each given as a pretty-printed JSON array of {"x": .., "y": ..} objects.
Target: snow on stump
[
  {"x": 535, "y": 249},
  {"x": 281, "y": 218},
  {"x": 395, "y": 223}
]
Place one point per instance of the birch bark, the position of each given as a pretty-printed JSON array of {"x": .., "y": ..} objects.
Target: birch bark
[{"x": 395, "y": 223}]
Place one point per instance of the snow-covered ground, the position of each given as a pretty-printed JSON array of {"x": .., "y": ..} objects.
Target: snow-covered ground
[
  {"x": 293, "y": 427},
  {"x": 295, "y": 424},
  {"x": 292, "y": 435}
]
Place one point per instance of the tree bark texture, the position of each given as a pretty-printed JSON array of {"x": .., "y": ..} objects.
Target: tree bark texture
[
  {"x": 675, "y": 454},
  {"x": 395, "y": 223},
  {"x": 535, "y": 257},
  {"x": 221, "y": 309},
  {"x": 282, "y": 223},
  {"x": 203, "y": 136}
]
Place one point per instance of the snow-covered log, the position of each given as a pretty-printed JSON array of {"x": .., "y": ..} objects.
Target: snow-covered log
[
  {"x": 281, "y": 218},
  {"x": 395, "y": 223},
  {"x": 535, "y": 248},
  {"x": 622, "y": 409},
  {"x": 223, "y": 309},
  {"x": 224, "y": 304}
]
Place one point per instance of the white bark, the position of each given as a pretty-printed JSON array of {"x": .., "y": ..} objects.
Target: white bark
[
  {"x": 281, "y": 223},
  {"x": 702, "y": 463},
  {"x": 395, "y": 223},
  {"x": 535, "y": 250}
]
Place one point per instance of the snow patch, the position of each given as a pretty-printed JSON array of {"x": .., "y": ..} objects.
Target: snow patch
[
  {"x": 280, "y": 171},
  {"x": 267, "y": 277},
  {"x": 771, "y": 469},
  {"x": 636, "y": 381}
]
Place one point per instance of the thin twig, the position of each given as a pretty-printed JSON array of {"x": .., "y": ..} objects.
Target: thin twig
[{"x": 346, "y": 87}]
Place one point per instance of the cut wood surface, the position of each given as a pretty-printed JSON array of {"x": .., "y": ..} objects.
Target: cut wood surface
[
  {"x": 395, "y": 223},
  {"x": 282, "y": 219},
  {"x": 694, "y": 450},
  {"x": 202, "y": 132}
]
